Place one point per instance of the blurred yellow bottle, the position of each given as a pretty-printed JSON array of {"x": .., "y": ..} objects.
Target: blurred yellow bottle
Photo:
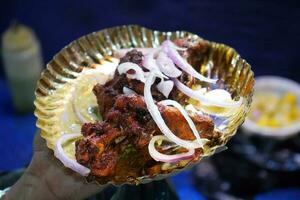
[{"x": 23, "y": 64}]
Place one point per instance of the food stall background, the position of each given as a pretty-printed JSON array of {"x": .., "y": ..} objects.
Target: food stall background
[{"x": 266, "y": 33}]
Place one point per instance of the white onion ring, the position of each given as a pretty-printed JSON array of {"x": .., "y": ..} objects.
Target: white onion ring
[
  {"x": 167, "y": 158},
  {"x": 68, "y": 162},
  {"x": 167, "y": 66},
  {"x": 165, "y": 87},
  {"x": 169, "y": 49},
  {"x": 203, "y": 99},
  {"x": 187, "y": 118},
  {"x": 150, "y": 64},
  {"x": 128, "y": 91},
  {"x": 153, "y": 109},
  {"x": 126, "y": 66},
  {"x": 220, "y": 94},
  {"x": 179, "y": 48}
]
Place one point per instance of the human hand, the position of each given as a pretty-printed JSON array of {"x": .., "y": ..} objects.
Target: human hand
[{"x": 47, "y": 178}]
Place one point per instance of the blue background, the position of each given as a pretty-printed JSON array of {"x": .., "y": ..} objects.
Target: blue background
[{"x": 265, "y": 32}]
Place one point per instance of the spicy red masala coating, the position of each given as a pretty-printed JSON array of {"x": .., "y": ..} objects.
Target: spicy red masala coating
[{"x": 117, "y": 147}]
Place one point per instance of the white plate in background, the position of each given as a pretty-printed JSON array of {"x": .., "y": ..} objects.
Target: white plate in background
[{"x": 277, "y": 85}]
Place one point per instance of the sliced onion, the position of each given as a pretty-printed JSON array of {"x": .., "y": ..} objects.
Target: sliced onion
[
  {"x": 220, "y": 94},
  {"x": 174, "y": 46},
  {"x": 170, "y": 146},
  {"x": 167, "y": 158},
  {"x": 167, "y": 66},
  {"x": 153, "y": 109},
  {"x": 179, "y": 48},
  {"x": 169, "y": 49},
  {"x": 150, "y": 64},
  {"x": 128, "y": 91},
  {"x": 68, "y": 162},
  {"x": 203, "y": 99},
  {"x": 187, "y": 118},
  {"x": 165, "y": 87},
  {"x": 138, "y": 75}
]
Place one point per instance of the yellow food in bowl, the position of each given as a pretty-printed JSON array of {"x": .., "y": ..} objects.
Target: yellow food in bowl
[{"x": 274, "y": 110}]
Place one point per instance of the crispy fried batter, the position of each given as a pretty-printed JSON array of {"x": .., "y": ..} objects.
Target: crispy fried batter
[{"x": 117, "y": 147}]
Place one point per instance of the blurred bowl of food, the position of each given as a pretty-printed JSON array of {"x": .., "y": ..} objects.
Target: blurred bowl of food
[
  {"x": 265, "y": 153},
  {"x": 275, "y": 110}
]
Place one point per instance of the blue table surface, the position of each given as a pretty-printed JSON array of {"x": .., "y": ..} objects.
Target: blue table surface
[{"x": 17, "y": 132}]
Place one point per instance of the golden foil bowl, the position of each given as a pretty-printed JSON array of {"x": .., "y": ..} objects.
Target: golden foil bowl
[{"x": 216, "y": 60}]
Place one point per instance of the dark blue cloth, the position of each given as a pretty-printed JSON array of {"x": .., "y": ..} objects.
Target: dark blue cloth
[
  {"x": 266, "y": 33},
  {"x": 16, "y": 133},
  {"x": 185, "y": 188}
]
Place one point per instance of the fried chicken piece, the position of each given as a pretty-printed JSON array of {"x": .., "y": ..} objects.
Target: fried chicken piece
[
  {"x": 117, "y": 147},
  {"x": 133, "y": 56},
  {"x": 106, "y": 94}
]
